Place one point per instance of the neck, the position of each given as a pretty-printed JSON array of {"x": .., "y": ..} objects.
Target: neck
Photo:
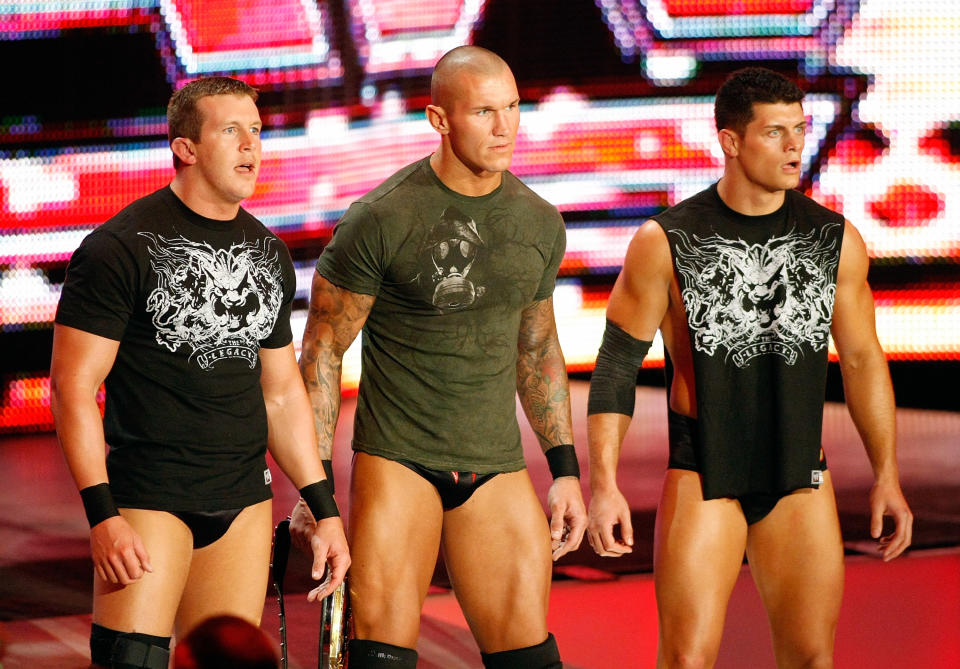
[
  {"x": 459, "y": 178},
  {"x": 747, "y": 198},
  {"x": 199, "y": 202}
]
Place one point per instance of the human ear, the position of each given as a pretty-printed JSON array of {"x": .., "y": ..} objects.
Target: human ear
[
  {"x": 729, "y": 142},
  {"x": 438, "y": 119},
  {"x": 184, "y": 149}
]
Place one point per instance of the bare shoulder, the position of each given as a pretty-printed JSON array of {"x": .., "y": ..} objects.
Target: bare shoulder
[
  {"x": 648, "y": 255},
  {"x": 854, "y": 320},
  {"x": 650, "y": 239},
  {"x": 640, "y": 296},
  {"x": 854, "y": 260}
]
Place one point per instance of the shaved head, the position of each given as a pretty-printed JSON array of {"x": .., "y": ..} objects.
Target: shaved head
[{"x": 445, "y": 83}]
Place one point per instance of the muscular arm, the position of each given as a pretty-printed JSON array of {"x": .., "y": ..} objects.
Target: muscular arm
[
  {"x": 542, "y": 376},
  {"x": 545, "y": 396},
  {"x": 80, "y": 363},
  {"x": 638, "y": 304},
  {"x": 335, "y": 318},
  {"x": 869, "y": 392},
  {"x": 291, "y": 437},
  {"x": 292, "y": 442}
]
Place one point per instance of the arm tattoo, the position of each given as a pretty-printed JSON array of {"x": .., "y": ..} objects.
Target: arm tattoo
[
  {"x": 335, "y": 317},
  {"x": 542, "y": 376}
]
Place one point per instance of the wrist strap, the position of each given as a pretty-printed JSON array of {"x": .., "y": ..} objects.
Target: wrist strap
[
  {"x": 319, "y": 498},
  {"x": 98, "y": 503},
  {"x": 562, "y": 461}
]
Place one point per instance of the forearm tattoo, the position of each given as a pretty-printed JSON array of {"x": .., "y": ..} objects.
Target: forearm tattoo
[
  {"x": 335, "y": 317},
  {"x": 542, "y": 376}
]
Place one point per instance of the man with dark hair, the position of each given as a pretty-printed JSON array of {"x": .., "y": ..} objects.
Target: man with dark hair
[
  {"x": 733, "y": 105},
  {"x": 181, "y": 303},
  {"x": 449, "y": 268},
  {"x": 746, "y": 282}
]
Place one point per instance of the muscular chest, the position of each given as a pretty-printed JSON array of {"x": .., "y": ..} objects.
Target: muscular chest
[{"x": 464, "y": 261}]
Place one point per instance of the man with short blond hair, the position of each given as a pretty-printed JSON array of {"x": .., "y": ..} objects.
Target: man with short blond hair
[{"x": 181, "y": 304}]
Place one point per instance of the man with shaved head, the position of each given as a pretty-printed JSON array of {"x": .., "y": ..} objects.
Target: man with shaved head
[{"x": 449, "y": 268}]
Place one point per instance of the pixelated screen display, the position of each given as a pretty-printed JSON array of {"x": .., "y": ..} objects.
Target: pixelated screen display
[{"x": 613, "y": 130}]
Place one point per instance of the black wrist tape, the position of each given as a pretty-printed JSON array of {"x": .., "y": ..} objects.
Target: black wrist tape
[
  {"x": 613, "y": 384},
  {"x": 319, "y": 498},
  {"x": 562, "y": 461},
  {"x": 328, "y": 471},
  {"x": 98, "y": 503}
]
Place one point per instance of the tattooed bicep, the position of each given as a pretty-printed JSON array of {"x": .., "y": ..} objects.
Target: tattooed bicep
[
  {"x": 336, "y": 314},
  {"x": 537, "y": 323}
]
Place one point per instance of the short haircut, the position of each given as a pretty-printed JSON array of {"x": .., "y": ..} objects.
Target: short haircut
[
  {"x": 474, "y": 59},
  {"x": 184, "y": 118},
  {"x": 733, "y": 107}
]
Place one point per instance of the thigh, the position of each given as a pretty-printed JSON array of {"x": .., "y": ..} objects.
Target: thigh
[
  {"x": 150, "y": 605},
  {"x": 698, "y": 553},
  {"x": 496, "y": 547},
  {"x": 394, "y": 533},
  {"x": 796, "y": 558},
  {"x": 230, "y": 575}
]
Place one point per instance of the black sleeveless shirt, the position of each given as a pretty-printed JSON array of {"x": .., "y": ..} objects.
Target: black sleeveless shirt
[{"x": 758, "y": 293}]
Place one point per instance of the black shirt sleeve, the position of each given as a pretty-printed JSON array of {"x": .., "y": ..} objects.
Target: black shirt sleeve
[{"x": 99, "y": 293}]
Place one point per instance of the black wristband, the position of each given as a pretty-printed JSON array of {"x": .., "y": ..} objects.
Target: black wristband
[
  {"x": 328, "y": 471},
  {"x": 98, "y": 503},
  {"x": 562, "y": 461},
  {"x": 320, "y": 500}
]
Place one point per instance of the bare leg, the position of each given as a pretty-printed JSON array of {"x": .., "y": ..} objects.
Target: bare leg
[
  {"x": 148, "y": 606},
  {"x": 230, "y": 575},
  {"x": 394, "y": 528},
  {"x": 796, "y": 558},
  {"x": 497, "y": 551},
  {"x": 698, "y": 553}
]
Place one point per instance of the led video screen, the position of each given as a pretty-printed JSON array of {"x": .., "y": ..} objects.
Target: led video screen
[{"x": 613, "y": 130}]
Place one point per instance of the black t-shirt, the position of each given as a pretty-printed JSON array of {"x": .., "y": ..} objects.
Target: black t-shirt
[
  {"x": 758, "y": 293},
  {"x": 452, "y": 275},
  {"x": 191, "y": 301}
]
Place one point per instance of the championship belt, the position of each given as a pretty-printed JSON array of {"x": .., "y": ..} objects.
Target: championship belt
[
  {"x": 278, "y": 568},
  {"x": 334, "y": 614},
  {"x": 334, "y": 629}
]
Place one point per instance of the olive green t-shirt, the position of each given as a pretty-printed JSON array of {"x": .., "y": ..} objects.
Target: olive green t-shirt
[{"x": 451, "y": 275}]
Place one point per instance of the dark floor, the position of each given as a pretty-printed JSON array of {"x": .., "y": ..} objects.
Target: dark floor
[{"x": 902, "y": 614}]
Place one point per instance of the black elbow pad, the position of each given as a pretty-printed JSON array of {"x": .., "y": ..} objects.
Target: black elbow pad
[{"x": 613, "y": 384}]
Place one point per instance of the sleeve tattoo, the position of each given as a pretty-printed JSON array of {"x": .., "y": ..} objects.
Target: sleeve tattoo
[
  {"x": 335, "y": 317},
  {"x": 542, "y": 376}
]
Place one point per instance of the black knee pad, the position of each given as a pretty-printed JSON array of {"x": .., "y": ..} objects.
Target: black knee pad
[
  {"x": 545, "y": 655},
  {"x": 367, "y": 654},
  {"x": 128, "y": 650}
]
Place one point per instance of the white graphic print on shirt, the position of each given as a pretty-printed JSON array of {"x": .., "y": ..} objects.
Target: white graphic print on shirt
[
  {"x": 758, "y": 299},
  {"x": 219, "y": 302}
]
